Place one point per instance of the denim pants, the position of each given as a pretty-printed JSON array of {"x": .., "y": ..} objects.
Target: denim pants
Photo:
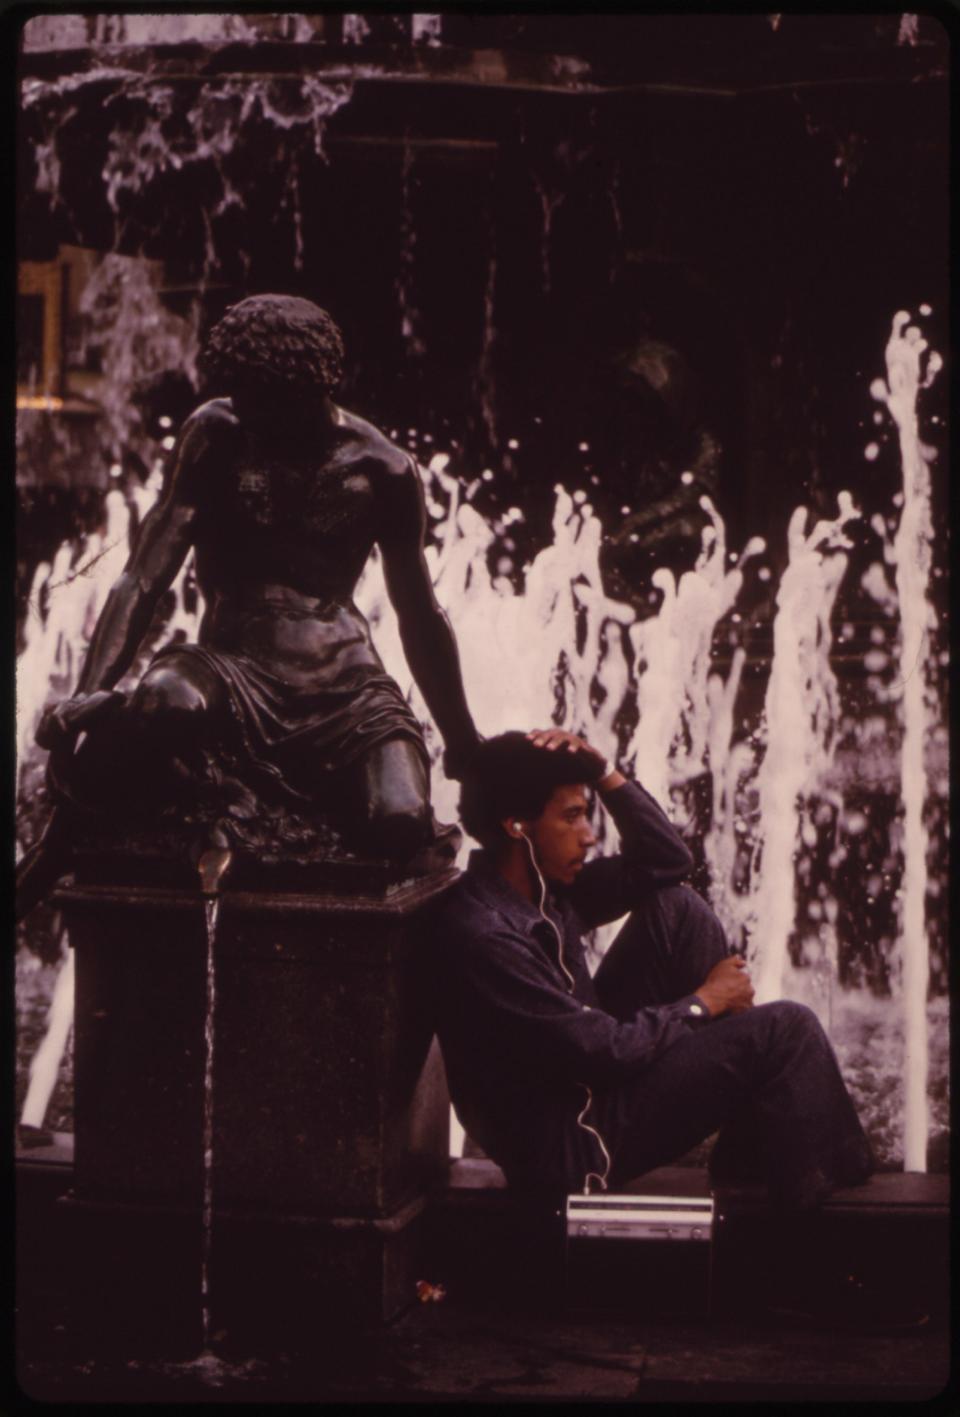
[{"x": 767, "y": 1078}]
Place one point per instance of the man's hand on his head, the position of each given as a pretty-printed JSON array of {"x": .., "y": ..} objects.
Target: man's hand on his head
[
  {"x": 559, "y": 740},
  {"x": 727, "y": 988}
]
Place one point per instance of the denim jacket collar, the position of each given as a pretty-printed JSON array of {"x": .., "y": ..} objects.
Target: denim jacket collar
[{"x": 495, "y": 891}]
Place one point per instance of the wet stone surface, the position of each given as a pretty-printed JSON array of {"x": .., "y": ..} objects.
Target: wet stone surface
[{"x": 445, "y": 1351}]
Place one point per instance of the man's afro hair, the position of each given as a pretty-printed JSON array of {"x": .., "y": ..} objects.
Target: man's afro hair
[{"x": 511, "y": 777}]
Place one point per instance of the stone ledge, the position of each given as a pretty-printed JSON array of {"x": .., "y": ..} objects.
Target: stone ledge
[
  {"x": 397, "y": 898},
  {"x": 478, "y": 1181}
]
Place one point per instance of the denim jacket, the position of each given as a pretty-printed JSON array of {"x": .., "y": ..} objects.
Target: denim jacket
[{"x": 522, "y": 1034}]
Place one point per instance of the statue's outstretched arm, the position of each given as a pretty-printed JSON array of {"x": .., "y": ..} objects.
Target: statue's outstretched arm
[
  {"x": 158, "y": 554},
  {"x": 161, "y": 547},
  {"x": 425, "y": 632}
]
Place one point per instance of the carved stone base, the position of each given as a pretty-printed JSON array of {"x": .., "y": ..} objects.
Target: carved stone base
[
  {"x": 330, "y": 1109},
  {"x": 276, "y": 1284},
  {"x": 328, "y": 1099}
]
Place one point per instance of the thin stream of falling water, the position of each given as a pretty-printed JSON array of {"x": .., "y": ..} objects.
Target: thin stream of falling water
[
  {"x": 550, "y": 200},
  {"x": 410, "y": 318},
  {"x": 485, "y": 379},
  {"x": 55, "y": 642},
  {"x": 211, "y": 908}
]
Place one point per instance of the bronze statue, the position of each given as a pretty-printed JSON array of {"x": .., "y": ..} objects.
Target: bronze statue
[{"x": 282, "y": 495}]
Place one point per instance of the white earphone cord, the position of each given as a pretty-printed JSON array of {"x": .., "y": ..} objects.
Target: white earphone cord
[{"x": 591, "y": 1175}]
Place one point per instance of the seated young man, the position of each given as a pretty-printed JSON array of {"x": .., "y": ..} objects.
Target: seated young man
[{"x": 573, "y": 1083}]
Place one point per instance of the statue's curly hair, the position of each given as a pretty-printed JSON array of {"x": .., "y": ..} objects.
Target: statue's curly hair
[{"x": 276, "y": 342}]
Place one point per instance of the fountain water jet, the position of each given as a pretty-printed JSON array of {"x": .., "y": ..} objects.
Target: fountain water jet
[
  {"x": 74, "y": 587},
  {"x": 801, "y": 714},
  {"x": 670, "y": 739},
  {"x": 913, "y": 558},
  {"x": 46, "y": 1060}
]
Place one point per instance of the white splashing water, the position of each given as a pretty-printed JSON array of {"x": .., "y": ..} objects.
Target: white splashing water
[
  {"x": 74, "y": 587},
  {"x": 670, "y": 742},
  {"x": 124, "y": 320},
  {"x": 66, "y": 598},
  {"x": 918, "y": 710},
  {"x": 150, "y": 29},
  {"x": 46, "y": 1061},
  {"x": 561, "y": 651},
  {"x": 801, "y": 717},
  {"x": 296, "y": 107},
  {"x": 426, "y": 29}
]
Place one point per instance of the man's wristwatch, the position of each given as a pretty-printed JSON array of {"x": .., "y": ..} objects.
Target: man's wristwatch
[{"x": 697, "y": 1011}]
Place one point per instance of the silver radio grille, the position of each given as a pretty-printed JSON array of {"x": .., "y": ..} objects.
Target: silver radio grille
[{"x": 637, "y": 1217}]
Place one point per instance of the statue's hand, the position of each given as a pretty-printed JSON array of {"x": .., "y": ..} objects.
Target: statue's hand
[
  {"x": 61, "y": 723},
  {"x": 456, "y": 761}
]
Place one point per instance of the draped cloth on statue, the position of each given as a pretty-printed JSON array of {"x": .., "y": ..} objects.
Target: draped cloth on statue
[{"x": 306, "y": 694}]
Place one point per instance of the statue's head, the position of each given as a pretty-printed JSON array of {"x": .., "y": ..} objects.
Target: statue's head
[{"x": 274, "y": 351}]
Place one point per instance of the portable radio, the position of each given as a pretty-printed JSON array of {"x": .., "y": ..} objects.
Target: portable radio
[{"x": 649, "y": 1254}]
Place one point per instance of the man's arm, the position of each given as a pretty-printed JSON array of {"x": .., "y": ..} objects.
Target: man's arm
[
  {"x": 159, "y": 552},
  {"x": 545, "y": 1029},
  {"x": 425, "y": 632},
  {"x": 652, "y": 852}
]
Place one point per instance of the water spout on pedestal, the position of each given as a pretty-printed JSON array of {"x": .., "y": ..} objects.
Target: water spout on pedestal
[{"x": 212, "y": 866}]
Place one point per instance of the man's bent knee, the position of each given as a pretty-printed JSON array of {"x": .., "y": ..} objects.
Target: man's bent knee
[
  {"x": 692, "y": 925},
  {"x": 787, "y": 1013},
  {"x": 700, "y": 916}
]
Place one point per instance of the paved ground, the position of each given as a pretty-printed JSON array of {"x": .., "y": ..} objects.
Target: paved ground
[
  {"x": 500, "y": 1348},
  {"x": 441, "y": 1352}
]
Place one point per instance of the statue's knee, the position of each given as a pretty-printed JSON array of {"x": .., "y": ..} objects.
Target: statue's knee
[
  {"x": 167, "y": 701},
  {"x": 394, "y": 800},
  {"x": 165, "y": 691}
]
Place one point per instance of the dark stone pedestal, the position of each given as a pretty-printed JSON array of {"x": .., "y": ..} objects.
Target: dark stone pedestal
[
  {"x": 276, "y": 1283},
  {"x": 330, "y": 1109}
]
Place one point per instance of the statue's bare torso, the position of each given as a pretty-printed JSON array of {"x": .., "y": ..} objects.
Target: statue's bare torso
[
  {"x": 285, "y": 520},
  {"x": 283, "y": 513}
]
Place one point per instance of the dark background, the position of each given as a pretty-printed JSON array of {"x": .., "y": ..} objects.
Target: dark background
[{"x": 737, "y": 206}]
